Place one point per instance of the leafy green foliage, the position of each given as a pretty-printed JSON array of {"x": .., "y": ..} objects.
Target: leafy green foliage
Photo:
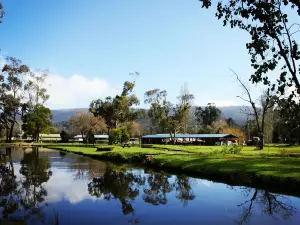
[
  {"x": 116, "y": 109},
  {"x": 273, "y": 45},
  {"x": 64, "y": 136},
  {"x": 119, "y": 135},
  {"x": 166, "y": 118},
  {"x": 90, "y": 138},
  {"x": 11, "y": 94},
  {"x": 208, "y": 115},
  {"x": 273, "y": 40},
  {"x": 159, "y": 110},
  {"x": 37, "y": 121},
  {"x": 232, "y": 149},
  {"x": 1, "y": 12},
  {"x": 115, "y": 136},
  {"x": 125, "y": 135}
]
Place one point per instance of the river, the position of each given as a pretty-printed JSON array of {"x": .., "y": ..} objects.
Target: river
[{"x": 42, "y": 186}]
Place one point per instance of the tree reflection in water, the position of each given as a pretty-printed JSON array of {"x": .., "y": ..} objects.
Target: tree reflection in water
[
  {"x": 268, "y": 203},
  {"x": 125, "y": 186},
  {"x": 113, "y": 184},
  {"x": 158, "y": 186},
  {"x": 22, "y": 198},
  {"x": 85, "y": 168},
  {"x": 184, "y": 190}
]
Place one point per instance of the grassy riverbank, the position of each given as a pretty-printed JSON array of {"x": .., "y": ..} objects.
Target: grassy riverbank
[
  {"x": 269, "y": 150},
  {"x": 273, "y": 171},
  {"x": 200, "y": 162}
]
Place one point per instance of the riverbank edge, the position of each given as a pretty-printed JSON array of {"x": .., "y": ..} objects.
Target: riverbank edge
[{"x": 287, "y": 186}]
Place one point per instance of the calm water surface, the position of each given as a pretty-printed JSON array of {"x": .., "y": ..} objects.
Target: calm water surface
[{"x": 48, "y": 187}]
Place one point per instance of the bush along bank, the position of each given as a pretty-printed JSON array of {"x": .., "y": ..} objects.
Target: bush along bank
[{"x": 276, "y": 174}]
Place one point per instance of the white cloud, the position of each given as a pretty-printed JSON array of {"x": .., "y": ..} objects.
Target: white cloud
[
  {"x": 62, "y": 186},
  {"x": 222, "y": 103},
  {"x": 76, "y": 91},
  {"x": 205, "y": 183}
]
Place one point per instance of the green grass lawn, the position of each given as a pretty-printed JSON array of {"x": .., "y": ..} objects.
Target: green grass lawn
[
  {"x": 270, "y": 150},
  {"x": 259, "y": 163}
]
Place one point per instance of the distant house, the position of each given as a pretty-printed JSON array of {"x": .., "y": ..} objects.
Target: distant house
[
  {"x": 98, "y": 138},
  {"x": 50, "y": 138},
  {"x": 200, "y": 139}
]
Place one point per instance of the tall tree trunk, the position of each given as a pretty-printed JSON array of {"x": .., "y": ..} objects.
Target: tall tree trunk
[
  {"x": 260, "y": 144},
  {"x": 11, "y": 131},
  {"x": 7, "y": 134}
]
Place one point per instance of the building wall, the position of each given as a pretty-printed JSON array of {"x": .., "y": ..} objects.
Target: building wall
[{"x": 208, "y": 141}]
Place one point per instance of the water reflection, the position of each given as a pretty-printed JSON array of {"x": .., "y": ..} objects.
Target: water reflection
[
  {"x": 269, "y": 204},
  {"x": 158, "y": 185},
  {"x": 113, "y": 184},
  {"x": 45, "y": 187},
  {"x": 22, "y": 198}
]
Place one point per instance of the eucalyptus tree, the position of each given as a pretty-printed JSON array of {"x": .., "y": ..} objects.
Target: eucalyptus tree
[
  {"x": 12, "y": 93},
  {"x": 159, "y": 109},
  {"x": 186, "y": 98},
  {"x": 118, "y": 109},
  {"x": 208, "y": 115},
  {"x": 36, "y": 117}
]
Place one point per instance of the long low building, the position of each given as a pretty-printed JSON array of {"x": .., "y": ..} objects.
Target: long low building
[
  {"x": 200, "y": 139},
  {"x": 98, "y": 137},
  {"x": 50, "y": 138}
]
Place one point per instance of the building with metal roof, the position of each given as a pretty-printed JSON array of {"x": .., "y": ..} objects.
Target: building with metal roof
[{"x": 204, "y": 139}]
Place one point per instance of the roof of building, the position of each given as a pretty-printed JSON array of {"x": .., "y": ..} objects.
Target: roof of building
[{"x": 163, "y": 136}]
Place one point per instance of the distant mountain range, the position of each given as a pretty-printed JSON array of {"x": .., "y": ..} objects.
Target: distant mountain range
[{"x": 229, "y": 111}]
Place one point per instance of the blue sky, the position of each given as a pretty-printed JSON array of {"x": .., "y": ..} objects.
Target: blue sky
[{"x": 91, "y": 46}]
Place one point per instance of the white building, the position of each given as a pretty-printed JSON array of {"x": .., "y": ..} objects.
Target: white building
[{"x": 98, "y": 137}]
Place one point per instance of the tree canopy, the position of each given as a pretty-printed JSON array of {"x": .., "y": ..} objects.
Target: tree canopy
[
  {"x": 273, "y": 42},
  {"x": 1, "y": 12},
  {"x": 37, "y": 121},
  {"x": 118, "y": 109},
  {"x": 11, "y": 93},
  {"x": 206, "y": 116}
]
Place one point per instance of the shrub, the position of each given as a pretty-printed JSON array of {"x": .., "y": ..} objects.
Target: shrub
[
  {"x": 126, "y": 145},
  {"x": 64, "y": 136},
  {"x": 105, "y": 148},
  {"x": 90, "y": 137},
  {"x": 235, "y": 149},
  {"x": 115, "y": 136},
  {"x": 216, "y": 151},
  {"x": 284, "y": 152},
  {"x": 232, "y": 149},
  {"x": 119, "y": 135},
  {"x": 125, "y": 135}
]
